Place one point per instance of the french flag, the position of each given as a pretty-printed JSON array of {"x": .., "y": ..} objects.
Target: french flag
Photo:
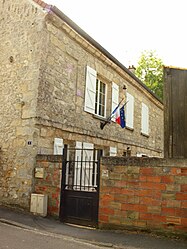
[{"x": 120, "y": 116}]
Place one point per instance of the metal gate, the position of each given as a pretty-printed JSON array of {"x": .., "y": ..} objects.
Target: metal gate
[{"x": 80, "y": 186}]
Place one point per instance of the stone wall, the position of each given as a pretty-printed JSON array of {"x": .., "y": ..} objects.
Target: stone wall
[
  {"x": 42, "y": 83},
  {"x": 135, "y": 193},
  {"x": 21, "y": 37},
  {"x": 143, "y": 193},
  {"x": 61, "y": 99}
]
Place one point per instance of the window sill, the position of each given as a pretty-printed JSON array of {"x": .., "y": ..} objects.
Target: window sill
[
  {"x": 129, "y": 128},
  {"x": 145, "y": 135},
  {"x": 99, "y": 117}
]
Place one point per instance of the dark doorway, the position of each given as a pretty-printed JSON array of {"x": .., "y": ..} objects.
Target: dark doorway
[{"x": 80, "y": 186}]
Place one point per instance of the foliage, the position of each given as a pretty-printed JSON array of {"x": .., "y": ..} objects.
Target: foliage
[{"x": 150, "y": 71}]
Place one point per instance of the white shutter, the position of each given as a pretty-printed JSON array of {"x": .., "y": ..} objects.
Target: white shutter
[
  {"x": 130, "y": 111},
  {"x": 145, "y": 119},
  {"x": 115, "y": 96},
  {"x": 88, "y": 151},
  {"x": 88, "y": 165},
  {"x": 58, "y": 146},
  {"x": 84, "y": 171},
  {"x": 113, "y": 151},
  {"x": 90, "y": 90},
  {"x": 78, "y": 159},
  {"x": 78, "y": 148},
  {"x": 140, "y": 154}
]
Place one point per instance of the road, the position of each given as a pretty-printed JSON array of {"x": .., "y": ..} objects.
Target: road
[{"x": 13, "y": 237}]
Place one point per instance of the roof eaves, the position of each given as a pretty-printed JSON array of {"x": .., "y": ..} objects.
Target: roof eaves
[{"x": 42, "y": 4}]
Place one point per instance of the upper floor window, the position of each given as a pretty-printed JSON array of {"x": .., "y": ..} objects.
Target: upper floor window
[
  {"x": 145, "y": 120},
  {"x": 95, "y": 94},
  {"x": 100, "y": 98}
]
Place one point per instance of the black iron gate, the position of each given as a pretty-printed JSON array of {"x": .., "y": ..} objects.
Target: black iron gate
[{"x": 80, "y": 186}]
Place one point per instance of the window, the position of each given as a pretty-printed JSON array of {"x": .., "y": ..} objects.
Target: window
[
  {"x": 95, "y": 94},
  {"x": 130, "y": 111},
  {"x": 145, "y": 120},
  {"x": 100, "y": 98},
  {"x": 113, "y": 151}
]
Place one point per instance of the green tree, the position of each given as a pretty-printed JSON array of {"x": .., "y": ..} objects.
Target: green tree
[{"x": 150, "y": 71}]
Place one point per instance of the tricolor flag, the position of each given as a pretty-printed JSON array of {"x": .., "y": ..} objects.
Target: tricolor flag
[{"x": 120, "y": 116}]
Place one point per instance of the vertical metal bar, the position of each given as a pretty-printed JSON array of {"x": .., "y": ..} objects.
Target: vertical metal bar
[
  {"x": 85, "y": 172},
  {"x": 81, "y": 169},
  {"x": 77, "y": 168},
  {"x": 98, "y": 171},
  {"x": 89, "y": 178},
  {"x": 93, "y": 170},
  {"x": 97, "y": 185},
  {"x": 72, "y": 173},
  {"x": 64, "y": 165},
  {"x": 63, "y": 182}
]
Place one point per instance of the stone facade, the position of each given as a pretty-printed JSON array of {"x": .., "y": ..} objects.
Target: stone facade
[
  {"x": 42, "y": 82},
  {"x": 20, "y": 59}
]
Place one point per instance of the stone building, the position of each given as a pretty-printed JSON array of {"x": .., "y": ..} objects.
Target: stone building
[{"x": 57, "y": 86}]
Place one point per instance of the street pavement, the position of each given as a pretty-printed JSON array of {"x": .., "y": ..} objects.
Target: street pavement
[
  {"x": 51, "y": 233},
  {"x": 21, "y": 238}
]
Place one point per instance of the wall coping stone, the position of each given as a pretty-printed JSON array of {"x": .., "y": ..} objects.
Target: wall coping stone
[{"x": 144, "y": 161}]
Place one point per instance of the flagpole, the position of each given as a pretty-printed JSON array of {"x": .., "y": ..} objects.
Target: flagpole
[{"x": 102, "y": 125}]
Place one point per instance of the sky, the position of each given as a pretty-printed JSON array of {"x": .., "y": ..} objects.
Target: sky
[{"x": 126, "y": 28}]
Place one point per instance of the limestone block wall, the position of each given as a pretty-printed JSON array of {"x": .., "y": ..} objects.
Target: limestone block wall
[
  {"x": 61, "y": 97},
  {"x": 42, "y": 84},
  {"x": 143, "y": 193},
  {"x": 21, "y": 42}
]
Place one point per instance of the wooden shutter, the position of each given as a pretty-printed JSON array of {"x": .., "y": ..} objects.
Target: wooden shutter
[
  {"x": 58, "y": 146},
  {"x": 130, "y": 111},
  {"x": 115, "y": 97},
  {"x": 78, "y": 159},
  {"x": 90, "y": 90},
  {"x": 88, "y": 165},
  {"x": 145, "y": 119},
  {"x": 84, "y": 165}
]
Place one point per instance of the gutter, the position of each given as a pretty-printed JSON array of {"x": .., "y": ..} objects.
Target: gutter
[{"x": 81, "y": 32}]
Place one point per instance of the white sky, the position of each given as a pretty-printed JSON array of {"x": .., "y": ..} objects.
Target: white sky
[{"x": 128, "y": 27}]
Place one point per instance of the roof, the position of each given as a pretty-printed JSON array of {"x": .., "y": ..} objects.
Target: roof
[
  {"x": 42, "y": 4},
  {"x": 81, "y": 32}
]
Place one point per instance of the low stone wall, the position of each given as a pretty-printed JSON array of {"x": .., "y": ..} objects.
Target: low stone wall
[
  {"x": 50, "y": 184},
  {"x": 143, "y": 193},
  {"x": 135, "y": 193}
]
